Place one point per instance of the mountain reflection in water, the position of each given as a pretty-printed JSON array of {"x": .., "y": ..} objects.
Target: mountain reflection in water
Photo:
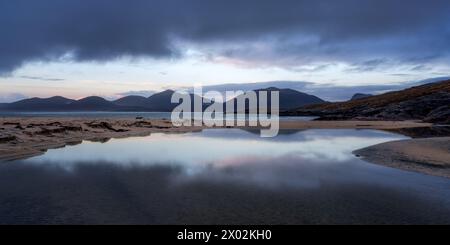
[{"x": 224, "y": 176}]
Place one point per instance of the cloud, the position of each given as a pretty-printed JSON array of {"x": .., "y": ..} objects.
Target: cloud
[
  {"x": 369, "y": 65},
  {"x": 11, "y": 97},
  {"x": 283, "y": 33},
  {"x": 144, "y": 93},
  {"x": 42, "y": 78}
]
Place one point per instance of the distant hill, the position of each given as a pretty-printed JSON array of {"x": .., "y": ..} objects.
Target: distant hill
[
  {"x": 92, "y": 103},
  {"x": 131, "y": 100},
  {"x": 157, "y": 102},
  {"x": 429, "y": 102},
  {"x": 360, "y": 96},
  {"x": 288, "y": 98},
  {"x": 56, "y": 103},
  {"x": 160, "y": 102}
]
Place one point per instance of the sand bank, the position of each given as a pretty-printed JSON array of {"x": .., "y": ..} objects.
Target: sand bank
[
  {"x": 428, "y": 155},
  {"x": 26, "y": 137}
]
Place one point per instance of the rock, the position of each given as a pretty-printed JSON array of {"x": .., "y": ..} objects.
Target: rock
[
  {"x": 418, "y": 108},
  {"x": 142, "y": 124},
  {"x": 51, "y": 130},
  {"x": 439, "y": 115},
  {"x": 104, "y": 125},
  {"x": 72, "y": 128},
  {"x": 427, "y": 102},
  {"x": 17, "y": 125},
  {"x": 431, "y": 108},
  {"x": 11, "y": 123},
  {"x": 7, "y": 138},
  {"x": 162, "y": 127},
  {"x": 31, "y": 125},
  {"x": 54, "y": 124}
]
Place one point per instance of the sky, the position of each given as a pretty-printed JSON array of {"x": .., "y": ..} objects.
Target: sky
[{"x": 114, "y": 48}]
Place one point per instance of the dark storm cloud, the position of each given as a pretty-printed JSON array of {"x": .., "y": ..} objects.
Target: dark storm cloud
[{"x": 101, "y": 30}]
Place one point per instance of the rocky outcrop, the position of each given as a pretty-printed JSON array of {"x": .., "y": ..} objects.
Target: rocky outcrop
[
  {"x": 439, "y": 115},
  {"x": 430, "y": 103},
  {"x": 360, "y": 96},
  {"x": 7, "y": 138},
  {"x": 418, "y": 108},
  {"x": 104, "y": 125}
]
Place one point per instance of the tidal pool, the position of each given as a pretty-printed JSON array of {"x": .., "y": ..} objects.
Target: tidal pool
[{"x": 220, "y": 176}]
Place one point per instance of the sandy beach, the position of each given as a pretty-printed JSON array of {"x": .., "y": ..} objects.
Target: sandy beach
[
  {"x": 31, "y": 136},
  {"x": 429, "y": 155},
  {"x": 26, "y": 137}
]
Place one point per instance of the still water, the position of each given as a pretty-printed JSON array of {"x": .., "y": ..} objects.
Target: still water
[
  {"x": 220, "y": 176},
  {"x": 146, "y": 115}
]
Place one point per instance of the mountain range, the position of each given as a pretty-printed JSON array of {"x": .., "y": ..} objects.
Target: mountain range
[
  {"x": 159, "y": 102},
  {"x": 429, "y": 102}
]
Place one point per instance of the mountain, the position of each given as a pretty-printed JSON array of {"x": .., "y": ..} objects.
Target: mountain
[
  {"x": 131, "y": 100},
  {"x": 360, "y": 96},
  {"x": 92, "y": 103},
  {"x": 160, "y": 101},
  {"x": 429, "y": 102},
  {"x": 56, "y": 103},
  {"x": 288, "y": 98},
  {"x": 157, "y": 102}
]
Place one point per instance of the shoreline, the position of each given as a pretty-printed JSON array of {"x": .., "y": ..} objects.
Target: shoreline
[
  {"x": 427, "y": 155},
  {"x": 31, "y": 136},
  {"x": 26, "y": 137}
]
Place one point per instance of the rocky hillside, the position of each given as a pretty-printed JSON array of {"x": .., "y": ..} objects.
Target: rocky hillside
[
  {"x": 358, "y": 96},
  {"x": 429, "y": 102}
]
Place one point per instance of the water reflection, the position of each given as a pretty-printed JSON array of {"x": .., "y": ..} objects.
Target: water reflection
[
  {"x": 219, "y": 146},
  {"x": 220, "y": 177}
]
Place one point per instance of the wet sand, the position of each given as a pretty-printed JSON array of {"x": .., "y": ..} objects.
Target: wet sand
[
  {"x": 26, "y": 137},
  {"x": 428, "y": 155}
]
